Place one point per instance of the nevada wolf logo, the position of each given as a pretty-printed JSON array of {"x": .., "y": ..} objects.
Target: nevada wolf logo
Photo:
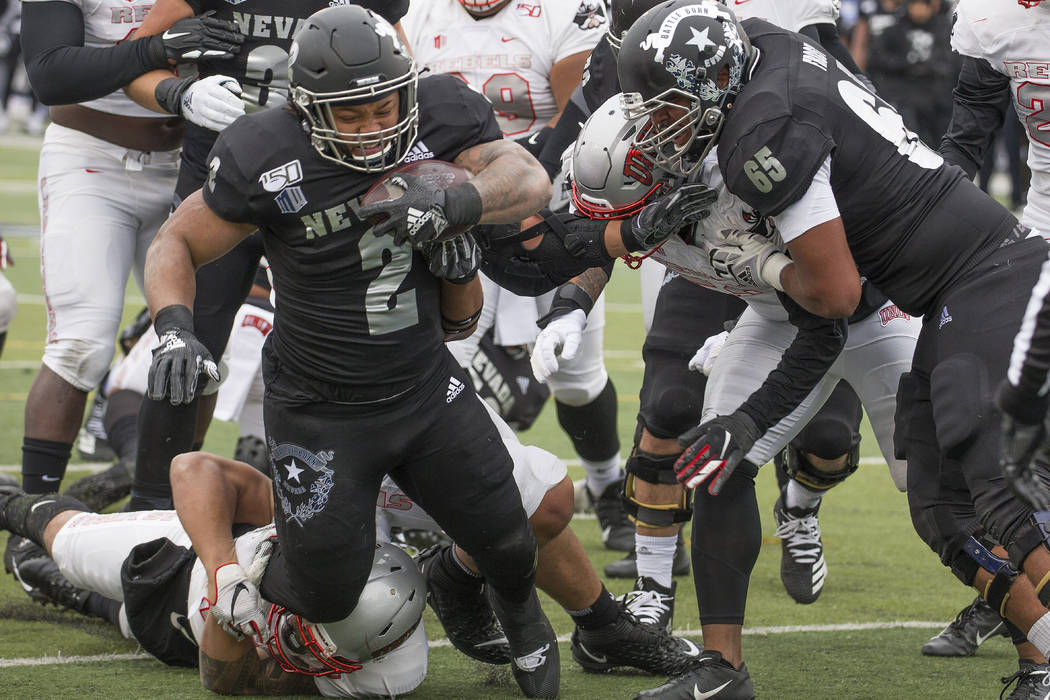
[{"x": 302, "y": 480}]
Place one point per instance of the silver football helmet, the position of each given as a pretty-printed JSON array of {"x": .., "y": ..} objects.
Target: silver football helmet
[
  {"x": 682, "y": 64},
  {"x": 611, "y": 177},
  {"x": 387, "y": 612}
]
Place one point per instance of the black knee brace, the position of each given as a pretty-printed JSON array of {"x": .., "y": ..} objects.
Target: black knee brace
[
  {"x": 799, "y": 468},
  {"x": 997, "y": 592},
  {"x": 654, "y": 469},
  {"x": 592, "y": 427},
  {"x": 28, "y": 514}
]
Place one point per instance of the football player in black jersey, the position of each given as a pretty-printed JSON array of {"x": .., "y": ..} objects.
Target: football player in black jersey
[
  {"x": 259, "y": 75},
  {"x": 358, "y": 380},
  {"x": 855, "y": 193}
]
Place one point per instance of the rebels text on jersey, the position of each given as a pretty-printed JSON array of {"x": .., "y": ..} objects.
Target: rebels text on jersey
[
  {"x": 355, "y": 309},
  {"x": 799, "y": 108}
]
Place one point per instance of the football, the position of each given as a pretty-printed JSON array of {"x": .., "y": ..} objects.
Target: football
[{"x": 440, "y": 173}]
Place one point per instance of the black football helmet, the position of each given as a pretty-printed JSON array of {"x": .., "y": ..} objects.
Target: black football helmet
[
  {"x": 672, "y": 57},
  {"x": 622, "y": 14},
  {"x": 347, "y": 55}
]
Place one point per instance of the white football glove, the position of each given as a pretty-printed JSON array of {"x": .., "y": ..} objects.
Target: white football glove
[
  {"x": 747, "y": 258},
  {"x": 704, "y": 359},
  {"x": 237, "y": 607},
  {"x": 560, "y": 340},
  {"x": 213, "y": 102}
]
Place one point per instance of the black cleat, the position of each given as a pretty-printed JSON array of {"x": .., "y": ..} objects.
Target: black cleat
[
  {"x": 709, "y": 677},
  {"x": 536, "y": 662},
  {"x": 464, "y": 611},
  {"x": 628, "y": 566},
  {"x": 19, "y": 552},
  {"x": 1033, "y": 682},
  {"x": 802, "y": 566},
  {"x": 617, "y": 529},
  {"x": 43, "y": 576},
  {"x": 651, "y": 603},
  {"x": 630, "y": 642},
  {"x": 102, "y": 489},
  {"x": 973, "y": 625}
]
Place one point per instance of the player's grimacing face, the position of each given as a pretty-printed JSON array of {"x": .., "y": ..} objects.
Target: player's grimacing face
[
  {"x": 667, "y": 115},
  {"x": 365, "y": 118}
]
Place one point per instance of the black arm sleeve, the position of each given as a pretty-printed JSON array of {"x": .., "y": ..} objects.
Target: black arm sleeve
[
  {"x": 64, "y": 71},
  {"x": 815, "y": 348},
  {"x": 1024, "y": 394},
  {"x": 564, "y": 133},
  {"x": 981, "y": 97}
]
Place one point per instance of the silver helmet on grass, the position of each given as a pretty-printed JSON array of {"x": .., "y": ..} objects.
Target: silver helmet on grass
[
  {"x": 682, "y": 65},
  {"x": 387, "y": 612},
  {"x": 346, "y": 55}
]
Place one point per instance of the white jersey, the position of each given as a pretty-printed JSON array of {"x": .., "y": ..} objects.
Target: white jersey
[
  {"x": 507, "y": 57},
  {"x": 108, "y": 24},
  {"x": 789, "y": 14},
  {"x": 1016, "y": 42},
  {"x": 690, "y": 261},
  {"x": 91, "y": 548}
]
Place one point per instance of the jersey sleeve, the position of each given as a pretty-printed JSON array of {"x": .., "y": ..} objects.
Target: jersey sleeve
[
  {"x": 979, "y": 102},
  {"x": 772, "y": 165},
  {"x": 964, "y": 40},
  {"x": 226, "y": 191},
  {"x": 581, "y": 32}
]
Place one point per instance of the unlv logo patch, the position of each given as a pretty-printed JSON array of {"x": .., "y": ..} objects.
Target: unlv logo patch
[
  {"x": 302, "y": 479},
  {"x": 890, "y": 312}
]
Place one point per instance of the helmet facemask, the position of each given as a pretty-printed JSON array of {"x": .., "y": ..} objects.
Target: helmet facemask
[
  {"x": 349, "y": 148},
  {"x": 483, "y": 8},
  {"x": 684, "y": 64},
  {"x": 302, "y": 647}
]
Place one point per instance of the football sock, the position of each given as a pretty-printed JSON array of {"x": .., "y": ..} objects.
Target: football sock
[
  {"x": 121, "y": 421},
  {"x": 600, "y": 475},
  {"x": 102, "y": 607},
  {"x": 44, "y": 464},
  {"x": 3, "y": 337},
  {"x": 1039, "y": 634},
  {"x": 600, "y": 613},
  {"x": 798, "y": 496},
  {"x": 655, "y": 557},
  {"x": 164, "y": 432}
]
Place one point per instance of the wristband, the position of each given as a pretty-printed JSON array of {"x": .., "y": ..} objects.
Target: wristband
[
  {"x": 1021, "y": 405},
  {"x": 173, "y": 316},
  {"x": 451, "y": 326},
  {"x": 463, "y": 205},
  {"x": 168, "y": 93},
  {"x": 567, "y": 299},
  {"x": 772, "y": 268}
]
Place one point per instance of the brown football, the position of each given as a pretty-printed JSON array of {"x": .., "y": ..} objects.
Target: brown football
[{"x": 440, "y": 173}]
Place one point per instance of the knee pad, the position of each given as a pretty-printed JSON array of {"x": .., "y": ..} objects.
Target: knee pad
[
  {"x": 673, "y": 411},
  {"x": 959, "y": 392},
  {"x": 8, "y": 304},
  {"x": 80, "y": 361},
  {"x": 656, "y": 514},
  {"x": 28, "y": 514},
  {"x": 592, "y": 427},
  {"x": 997, "y": 592},
  {"x": 799, "y": 468}
]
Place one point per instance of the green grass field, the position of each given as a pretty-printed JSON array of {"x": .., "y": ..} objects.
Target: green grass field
[{"x": 886, "y": 592}]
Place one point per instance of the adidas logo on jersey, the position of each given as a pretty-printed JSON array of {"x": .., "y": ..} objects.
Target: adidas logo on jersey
[
  {"x": 419, "y": 151},
  {"x": 945, "y": 318},
  {"x": 454, "y": 388}
]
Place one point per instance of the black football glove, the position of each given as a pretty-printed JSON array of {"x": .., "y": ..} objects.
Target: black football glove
[
  {"x": 195, "y": 38},
  {"x": 714, "y": 449},
  {"x": 1018, "y": 445},
  {"x": 455, "y": 260},
  {"x": 179, "y": 359},
  {"x": 424, "y": 211},
  {"x": 664, "y": 217}
]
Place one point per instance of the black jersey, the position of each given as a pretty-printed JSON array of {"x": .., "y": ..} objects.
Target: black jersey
[
  {"x": 897, "y": 199},
  {"x": 352, "y": 308}
]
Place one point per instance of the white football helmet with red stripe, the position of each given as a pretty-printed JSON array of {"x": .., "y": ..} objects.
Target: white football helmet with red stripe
[{"x": 388, "y": 610}]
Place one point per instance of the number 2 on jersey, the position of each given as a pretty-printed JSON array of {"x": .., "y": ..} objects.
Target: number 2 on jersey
[{"x": 386, "y": 308}]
